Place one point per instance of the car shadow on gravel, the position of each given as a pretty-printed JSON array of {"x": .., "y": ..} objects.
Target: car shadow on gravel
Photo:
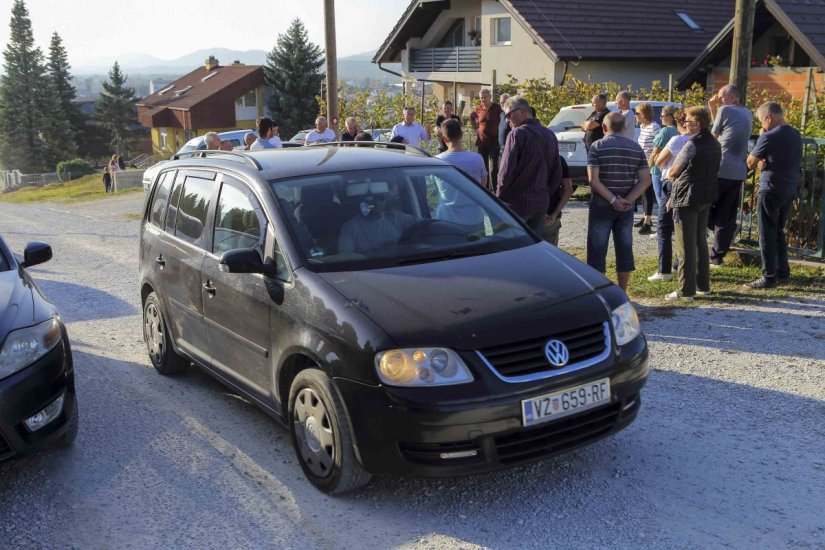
[{"x": 84, "y": 303}]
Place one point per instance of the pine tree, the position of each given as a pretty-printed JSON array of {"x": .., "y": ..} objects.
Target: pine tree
[
  {"x": 60, "y": 72},
  {"x": 27, "y": 100},
  {"x": 293, "y": 71},
  {"x": 116, "y": 109}
]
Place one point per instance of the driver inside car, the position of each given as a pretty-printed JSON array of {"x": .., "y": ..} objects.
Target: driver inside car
[{"x": 374, "y": 225}]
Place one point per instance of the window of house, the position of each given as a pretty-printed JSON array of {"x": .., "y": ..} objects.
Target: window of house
[
  {"x": 249, "y": 99},
  {"x": 501, "y": 31},
  {"x": 163, "y": 139},
  {"x": 454, "y": 35},
  {"x": 688, "y": 20}
]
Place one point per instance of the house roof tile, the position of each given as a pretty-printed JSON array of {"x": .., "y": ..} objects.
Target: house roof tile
[{"x": 201, "y": 90}]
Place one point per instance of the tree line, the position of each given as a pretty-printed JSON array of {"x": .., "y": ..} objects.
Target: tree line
[{"x": 40, "y": 121}]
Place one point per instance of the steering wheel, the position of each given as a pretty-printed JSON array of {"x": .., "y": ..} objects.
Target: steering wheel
[{"x": 434, "y": 227}]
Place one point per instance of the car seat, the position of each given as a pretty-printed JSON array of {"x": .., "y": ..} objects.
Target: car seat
[{"x": 322, "y": 216}]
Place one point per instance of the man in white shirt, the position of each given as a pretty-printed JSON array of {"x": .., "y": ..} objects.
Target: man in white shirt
[
  {"x": 321, "y": 134},
  {"x": 266, "y": 129},
  {"x": 623, "y": 103},
  {"x": 409, "y": 130}
]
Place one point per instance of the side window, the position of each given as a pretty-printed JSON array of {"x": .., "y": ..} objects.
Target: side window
[
  {"x": 172, "y": 210},
  {"x": 193, "y": 207},
  {"x": 238, "y": 218},
  {"x": 162, "y": 191}
]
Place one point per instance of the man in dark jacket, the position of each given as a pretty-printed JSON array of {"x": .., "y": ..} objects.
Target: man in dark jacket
[
  {"x": 778, "y": 155},
  {"x": 530, "y": 169}
]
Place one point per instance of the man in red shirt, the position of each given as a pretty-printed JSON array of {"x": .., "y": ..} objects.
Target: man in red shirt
[{"x": 485, "y": 119}]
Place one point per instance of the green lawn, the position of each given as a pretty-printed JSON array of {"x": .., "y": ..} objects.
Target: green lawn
[
  {"x": 726, "y": 283},
  {"x": 82, "y": 189}
]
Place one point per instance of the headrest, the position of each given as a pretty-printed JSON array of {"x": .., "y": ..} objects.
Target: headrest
[
  {"x": 367, "y": 188},
  {"x": 316, "y": 194}
]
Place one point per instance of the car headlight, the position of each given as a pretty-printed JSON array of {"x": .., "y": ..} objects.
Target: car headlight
[
  {"x": 26, "y": 345},
  {"x": 626, "y": 323},
  {"x": 421, "y": 367}
]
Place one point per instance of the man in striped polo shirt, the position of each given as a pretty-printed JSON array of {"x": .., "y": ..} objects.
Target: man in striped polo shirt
[{"x": 618, "y": 175}]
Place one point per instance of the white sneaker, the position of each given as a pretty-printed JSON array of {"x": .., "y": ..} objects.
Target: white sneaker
[
  {"x": 675, "y": 296},
  {"x": 704, "y": 292},
  {"x": 660, "y": 277}
]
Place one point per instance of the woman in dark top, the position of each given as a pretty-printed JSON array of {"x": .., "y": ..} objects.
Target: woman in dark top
[{"x": 695, "y": 177}]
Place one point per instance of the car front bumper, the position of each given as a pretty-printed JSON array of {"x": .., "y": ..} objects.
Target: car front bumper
[
  {"x": 28, "y": 391},
  {"x": 399, "y": 434}
]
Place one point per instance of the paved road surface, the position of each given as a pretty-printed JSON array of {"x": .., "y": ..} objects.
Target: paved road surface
[{"x": 728, "y": 451}]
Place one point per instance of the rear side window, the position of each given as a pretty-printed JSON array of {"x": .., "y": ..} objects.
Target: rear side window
[
  {"x": 237, "y": 218},
  {"x": 192, "y": 208},
  {"x": 172, "y": 210},
  {"x": 159, "y": 201}
]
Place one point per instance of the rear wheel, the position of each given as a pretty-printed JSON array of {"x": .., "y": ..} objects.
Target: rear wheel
[
  {"x": 321, "y": 435},
  {"x": 164, "y": 358}
]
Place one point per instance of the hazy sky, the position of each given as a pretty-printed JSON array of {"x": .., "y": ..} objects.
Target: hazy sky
[{"x": 94, "y": 31}]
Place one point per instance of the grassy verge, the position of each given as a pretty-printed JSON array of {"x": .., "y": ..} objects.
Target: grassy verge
[
  {"x": 726, "y": 283},
  {"x": 82, "y": 189}
]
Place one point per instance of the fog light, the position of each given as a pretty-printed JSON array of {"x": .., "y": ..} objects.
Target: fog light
[
  {"x": 45, "y": 416},
  {"x": 458, "y": 454}
]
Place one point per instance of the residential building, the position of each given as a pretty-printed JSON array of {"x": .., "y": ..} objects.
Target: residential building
[
  {"x": 462, "y": 45},
  {"x": 210, "y": 98},
  {"x": 788, "y": 39}
]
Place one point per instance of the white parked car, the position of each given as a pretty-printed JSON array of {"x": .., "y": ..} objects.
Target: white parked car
[{"x": 567, "y": 126}]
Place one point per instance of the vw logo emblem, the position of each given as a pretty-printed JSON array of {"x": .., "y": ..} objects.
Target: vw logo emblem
[{"x": 557, "y": 353}]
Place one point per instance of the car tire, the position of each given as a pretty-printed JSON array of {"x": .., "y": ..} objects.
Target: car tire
[
  {"x": 321, "y": 435},
  {"x": 158, "y": 342},
  {"x": 67, "y": 439}
]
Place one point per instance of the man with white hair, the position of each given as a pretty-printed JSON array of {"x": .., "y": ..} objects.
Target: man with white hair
[
  {"x": 623, "y": 104},
  {"x": 351, "y": 129},
  {"x": 321, "y": 133},
  {"x": 212, "y": 141},
  {"x": 409, "y": 131},
  {"x": 732, "y": 128}
]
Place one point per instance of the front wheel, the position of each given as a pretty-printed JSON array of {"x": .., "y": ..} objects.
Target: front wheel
[
  {"x": 321, "y": 435},
  {"x": 164, "y": 358}
]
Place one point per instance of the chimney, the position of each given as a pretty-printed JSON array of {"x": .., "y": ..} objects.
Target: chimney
[
  {"x": 237, "y": 62},
  {"x": 211, "y": 63}
]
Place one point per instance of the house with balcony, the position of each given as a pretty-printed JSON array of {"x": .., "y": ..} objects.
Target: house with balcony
[
  {"x": 210, "y": 98},
  {"x": 788, "y": 45},
  {"x": 462, "y": 45}
]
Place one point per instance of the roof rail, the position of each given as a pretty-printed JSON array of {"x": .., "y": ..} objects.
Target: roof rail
[
  {"x": 379, "y": 144},
  {"x": 228, "y": 155}
]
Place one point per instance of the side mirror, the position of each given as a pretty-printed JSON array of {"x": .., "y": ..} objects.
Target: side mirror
[
  {"x": 244, "y": 260},
  {"x": 36, "y": 253}
]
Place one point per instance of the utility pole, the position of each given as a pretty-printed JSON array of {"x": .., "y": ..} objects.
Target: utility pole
[
  {"x": 740, "y": 59},
  {"x": 331, "y": 66}
]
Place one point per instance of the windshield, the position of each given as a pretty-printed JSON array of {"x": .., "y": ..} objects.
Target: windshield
[
  {"x": 569, "y": 118},
  {"x": 193, "y": 145},
  {"x": 370, "y": 219}
]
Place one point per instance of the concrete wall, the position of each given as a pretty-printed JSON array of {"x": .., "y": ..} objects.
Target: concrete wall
[{"x": 128, "y": 179}]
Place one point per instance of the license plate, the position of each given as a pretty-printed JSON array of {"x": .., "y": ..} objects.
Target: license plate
[
  {"x": 551, "y": 406},
  {"x": 567, "y": 147}
]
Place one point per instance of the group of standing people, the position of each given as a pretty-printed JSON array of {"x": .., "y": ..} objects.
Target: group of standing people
[
  {"x": 693, "y": 166},
  {"x": 116, "y": 164}
]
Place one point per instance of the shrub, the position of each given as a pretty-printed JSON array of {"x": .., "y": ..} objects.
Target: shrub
[{"x": 73, "y": 169}]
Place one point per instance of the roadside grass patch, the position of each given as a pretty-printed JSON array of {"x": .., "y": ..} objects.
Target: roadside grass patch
[
  {"x": 132, "y": 216},
  {"x": 726, "y": 282},
  {"x": 82, "y": 189}
]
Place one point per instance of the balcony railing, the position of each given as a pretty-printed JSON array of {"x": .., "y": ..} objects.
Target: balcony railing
[{"x": 446, "y": 60}]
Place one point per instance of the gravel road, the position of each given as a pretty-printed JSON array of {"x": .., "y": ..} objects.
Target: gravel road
[{"x": 728, "y": 450}]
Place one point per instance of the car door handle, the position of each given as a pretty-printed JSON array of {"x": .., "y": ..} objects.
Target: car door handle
[
  {"x": 210, "y": 290},
  {"x": 160, "y": 261}
]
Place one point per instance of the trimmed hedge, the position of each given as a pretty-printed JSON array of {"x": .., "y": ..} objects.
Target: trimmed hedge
[{"x": 73, "y": 169}]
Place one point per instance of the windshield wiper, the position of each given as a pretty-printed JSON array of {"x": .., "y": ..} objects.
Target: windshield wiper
[{"x": 442, "y": 255}]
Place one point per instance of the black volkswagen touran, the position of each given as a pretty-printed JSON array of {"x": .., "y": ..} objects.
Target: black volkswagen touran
[
  {"x": 38, "y": 406},
  {"x": 392, "y": 313}
]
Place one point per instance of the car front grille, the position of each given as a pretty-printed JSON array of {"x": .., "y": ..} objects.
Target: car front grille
[
  {"x": 527, "y": 357},
  {"x": 564, "y": 434}
]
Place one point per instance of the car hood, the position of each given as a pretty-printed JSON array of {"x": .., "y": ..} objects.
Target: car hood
[
  {"x": 478, "y": 301},
  {"x": 16, "y": 302}
]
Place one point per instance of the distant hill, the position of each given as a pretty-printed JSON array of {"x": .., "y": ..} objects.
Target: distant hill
[{"x": 354, "y": 67}]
